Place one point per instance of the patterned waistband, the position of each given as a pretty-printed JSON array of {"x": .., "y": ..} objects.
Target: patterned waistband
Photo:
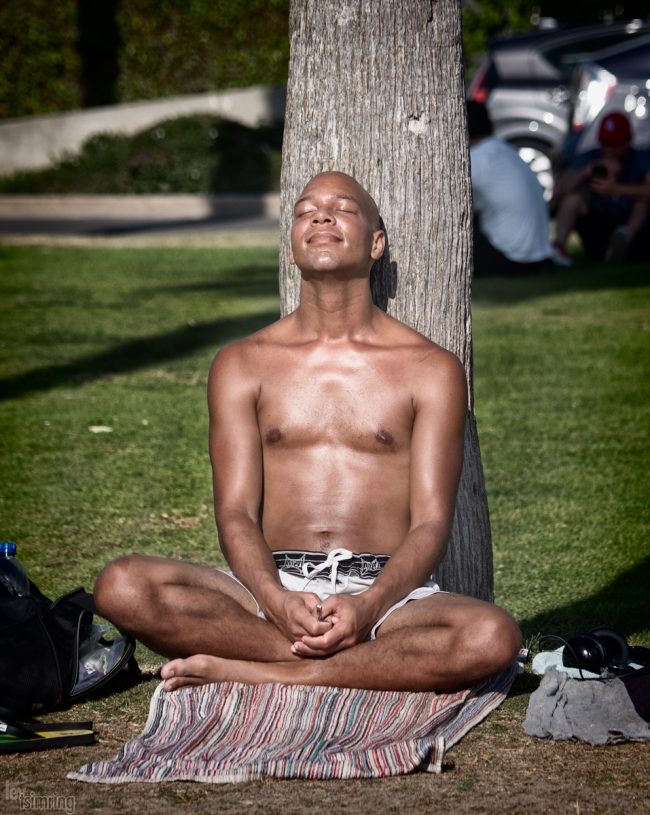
[{"x": 366, "y": 565}]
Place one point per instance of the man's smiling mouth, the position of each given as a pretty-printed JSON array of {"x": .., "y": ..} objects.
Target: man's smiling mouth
[{"x": 323, "y": 237}]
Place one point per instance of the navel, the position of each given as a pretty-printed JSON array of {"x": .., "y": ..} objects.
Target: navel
[
  {"x": 324, "y": 539},
  {"x": 274, "y": 435}
]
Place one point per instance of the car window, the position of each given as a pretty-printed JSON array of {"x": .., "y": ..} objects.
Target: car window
[
  {"x": 633, "y": 62},
  {"x": 566, "y": 55}
]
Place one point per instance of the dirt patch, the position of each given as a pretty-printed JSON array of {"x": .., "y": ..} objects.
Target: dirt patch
[{"x": 496, "y": 768}]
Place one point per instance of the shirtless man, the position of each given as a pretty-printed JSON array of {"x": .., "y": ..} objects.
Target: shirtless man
[{"x": 336, "y": 439}]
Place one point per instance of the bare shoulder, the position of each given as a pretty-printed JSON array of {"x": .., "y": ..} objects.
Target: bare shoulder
[
  {"x": 430, "y": 364},
  {"x": 241, "y": 363}
]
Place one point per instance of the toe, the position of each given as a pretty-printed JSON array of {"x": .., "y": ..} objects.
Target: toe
[{"x": 170, "y": 669}]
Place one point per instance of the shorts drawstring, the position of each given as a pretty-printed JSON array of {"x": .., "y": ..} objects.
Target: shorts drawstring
[{"x": 333, "y": 559}]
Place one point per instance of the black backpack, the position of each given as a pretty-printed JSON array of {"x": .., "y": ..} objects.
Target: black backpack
[{"x": 40, "y": 646}]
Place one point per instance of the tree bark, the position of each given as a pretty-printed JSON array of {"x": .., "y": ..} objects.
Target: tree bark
[{"x": 376, "y": 90}]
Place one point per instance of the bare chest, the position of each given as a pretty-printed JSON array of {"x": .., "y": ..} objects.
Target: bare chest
[{"x": 364, "y": 407}]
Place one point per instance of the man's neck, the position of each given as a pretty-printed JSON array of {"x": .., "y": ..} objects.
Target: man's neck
[{"x": 336, "y": 310}]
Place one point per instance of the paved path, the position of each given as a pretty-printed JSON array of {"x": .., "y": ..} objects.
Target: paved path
[
  {"x": 164, "y": 237},
  {"x": 140, "y": 220}
]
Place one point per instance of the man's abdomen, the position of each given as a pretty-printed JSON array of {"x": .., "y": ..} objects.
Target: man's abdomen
[{"x": 340, "y": 500}]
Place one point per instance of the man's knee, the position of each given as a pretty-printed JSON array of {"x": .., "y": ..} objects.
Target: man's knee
[
  {"x": 498, "y": 639},
  {"x": 118, "y": 589}
]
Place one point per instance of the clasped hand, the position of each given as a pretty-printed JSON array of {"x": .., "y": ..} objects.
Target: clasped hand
[{"x": 345, "y": 622}]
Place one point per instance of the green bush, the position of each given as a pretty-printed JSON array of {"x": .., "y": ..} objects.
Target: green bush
[
  {"x": 173, "y": 47},
  {"x": 191, "y": 154},
  {"x": 135, "y": 49},
  {"x": 39, "y": 64}
]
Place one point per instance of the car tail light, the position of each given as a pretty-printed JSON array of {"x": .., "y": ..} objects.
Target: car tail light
[
  {"x": 595, "y": 86},
  {"x": 479, "y": 89}
]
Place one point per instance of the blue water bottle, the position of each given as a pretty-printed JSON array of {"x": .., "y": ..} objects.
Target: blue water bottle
[{"x": 12, "y": 573}]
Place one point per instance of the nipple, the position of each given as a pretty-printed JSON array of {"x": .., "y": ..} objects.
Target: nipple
[
  {"x": 273, "y": 435},
  {"x": 385, "y": 438}
]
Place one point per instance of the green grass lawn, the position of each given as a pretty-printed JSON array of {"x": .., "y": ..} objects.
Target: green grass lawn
[
  {"x": 122, "y": 339},
  {"x": 562, "y": 367}
]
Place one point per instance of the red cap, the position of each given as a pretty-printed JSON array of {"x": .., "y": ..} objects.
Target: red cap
[{"x": 615, "y": 130}]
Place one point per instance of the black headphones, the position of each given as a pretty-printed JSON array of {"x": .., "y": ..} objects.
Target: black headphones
[{"x": 600, "y": 649}]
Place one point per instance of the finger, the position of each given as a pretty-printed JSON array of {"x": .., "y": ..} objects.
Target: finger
[
  {"x": 317, "y": 608},
  {"x": 329, "y": 606},
  {"x": 301, "y": 650},
  {"x": 307, "y": 625},
  {"x": 313, "y": 628},
  {"x": 332, "y": 641},
  {"x": 309, "y": 599},
  {"x": 311, "y": 647}
]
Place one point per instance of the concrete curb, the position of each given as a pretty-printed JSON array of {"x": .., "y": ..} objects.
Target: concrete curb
[{"x": 143, "y": 207}]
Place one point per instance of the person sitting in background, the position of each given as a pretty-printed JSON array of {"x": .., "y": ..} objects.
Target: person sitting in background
[
  {"x": 604, "y": 194},
  {"x": 511, "y": 226}
]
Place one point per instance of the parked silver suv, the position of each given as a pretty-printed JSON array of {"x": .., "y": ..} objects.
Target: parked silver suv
[
  {"x": 615, "y": 79},
  {"x": 524, "y": 82}
]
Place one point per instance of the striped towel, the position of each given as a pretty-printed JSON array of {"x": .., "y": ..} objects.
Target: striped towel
[{"x": 229, "y": 731}]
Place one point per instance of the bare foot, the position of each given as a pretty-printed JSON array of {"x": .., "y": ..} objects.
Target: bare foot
[
  {"x": 202, "y": 670},
  {"x": 196, "y": 670}
]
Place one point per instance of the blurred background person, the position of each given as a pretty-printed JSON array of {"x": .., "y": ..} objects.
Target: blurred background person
[
  {"x": 511, "y": 226},
  {"x": 603, "y": 194}
]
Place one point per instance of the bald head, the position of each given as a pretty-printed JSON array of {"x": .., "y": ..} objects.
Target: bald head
[
  {"x": 349, "y": 187},
  {"x": 336, "y": 227}
]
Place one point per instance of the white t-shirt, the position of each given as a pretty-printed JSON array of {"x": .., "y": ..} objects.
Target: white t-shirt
[{"x": 509, "y": 201}]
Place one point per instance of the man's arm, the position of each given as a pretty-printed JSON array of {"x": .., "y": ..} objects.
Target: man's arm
[
  {"x": 440, "y": 405},
  {"x": 571, "y": 180},
  {"x": 611, "y": 187},
  {"x": 437, "y": 446},
  {"x": 236, "y": 455}
]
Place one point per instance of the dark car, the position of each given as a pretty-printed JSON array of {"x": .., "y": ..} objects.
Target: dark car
[
  {"x": 617, "y": 79},
  {"x": 524, "y": 81}
]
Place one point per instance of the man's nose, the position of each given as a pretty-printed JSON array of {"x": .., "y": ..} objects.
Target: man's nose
[{"x": 322, "y": 215}]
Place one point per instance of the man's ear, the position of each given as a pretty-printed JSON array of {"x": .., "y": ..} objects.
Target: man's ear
[{"x": 378, "y": 244}]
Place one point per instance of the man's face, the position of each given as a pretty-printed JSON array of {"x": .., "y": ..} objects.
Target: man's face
[
  {"x": 335, "y": 228},
  {"x": 614, "y": 152}
]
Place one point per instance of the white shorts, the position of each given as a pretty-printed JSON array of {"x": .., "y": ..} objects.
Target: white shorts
[{"x": 338, "y": 572}]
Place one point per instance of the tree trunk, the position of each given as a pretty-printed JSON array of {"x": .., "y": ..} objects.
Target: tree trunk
[{"x": 376, "y": 90}]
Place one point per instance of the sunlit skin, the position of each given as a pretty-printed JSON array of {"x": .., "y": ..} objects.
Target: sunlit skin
[{"x": 336, "y": 426}]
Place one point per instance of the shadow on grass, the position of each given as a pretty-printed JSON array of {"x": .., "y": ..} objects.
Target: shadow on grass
[
  {"x": 135, "y": 354},
  {"x": 583, "y": 277},
  {"x": 123, "y": 682},
  {"x": 622, "y": 604},
  {"x": 258, "y": 281},
  {"x": 524, "y": 685}
]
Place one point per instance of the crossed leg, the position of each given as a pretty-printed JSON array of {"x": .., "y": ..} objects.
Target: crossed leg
[
  {"x": 178, "y": 609},
  {"x": 444, "y": 643},
  {"x": 207, "y": 623}
]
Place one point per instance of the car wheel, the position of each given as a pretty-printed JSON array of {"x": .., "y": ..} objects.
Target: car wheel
[{"x": 537, "y": 156}]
